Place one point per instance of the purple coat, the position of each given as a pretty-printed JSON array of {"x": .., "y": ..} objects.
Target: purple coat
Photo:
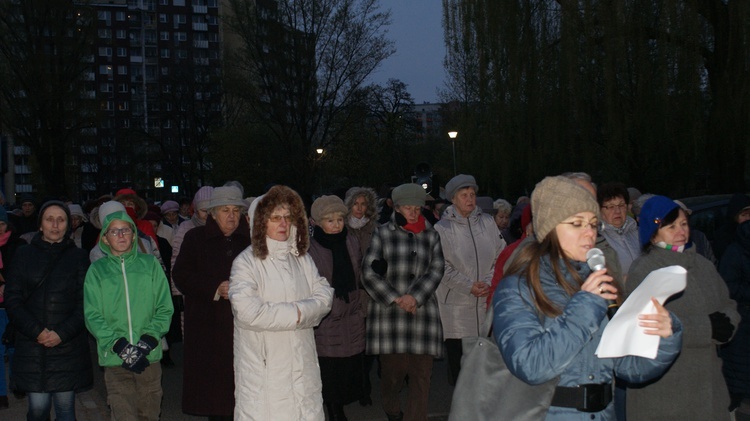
[
  {"x": 204, "y": 262},
  {"x": 342, "y": 332}
]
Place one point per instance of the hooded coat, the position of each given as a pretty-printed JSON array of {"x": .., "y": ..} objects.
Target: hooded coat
[
  {"x": 204, "y": 262},
  {"x": 54, "y": 303},
  {"x": 126, "y": 296},
  {"x": 471, "y": 246},
  {"x": 273, "y": 285},
  {"x": 363, "y": 233}
]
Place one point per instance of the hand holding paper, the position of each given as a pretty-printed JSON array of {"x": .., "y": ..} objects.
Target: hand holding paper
[{"x": 624, "y": 335}]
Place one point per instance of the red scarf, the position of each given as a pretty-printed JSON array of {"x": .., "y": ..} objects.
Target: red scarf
[{"x": 416, "y": 227}]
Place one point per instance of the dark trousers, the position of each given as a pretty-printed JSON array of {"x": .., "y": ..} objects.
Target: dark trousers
[
  {"x": 453, "y": 353},
  {"x": 394, "y": 368}
]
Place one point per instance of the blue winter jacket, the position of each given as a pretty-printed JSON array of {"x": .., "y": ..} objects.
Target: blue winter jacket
[{"x": 537, "y": 348}]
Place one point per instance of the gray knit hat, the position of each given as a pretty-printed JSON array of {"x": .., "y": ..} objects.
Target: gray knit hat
[
  {"x": 555, "y": 199},
  {"x": 459, "y": 182},
  {"x": 409, "y": 194},
  {"x": 226, "y": 196},
  {"x": 326, "y": 205},
  {"x": 107, "y": 208},
  {"x": 202, "y": 197}
]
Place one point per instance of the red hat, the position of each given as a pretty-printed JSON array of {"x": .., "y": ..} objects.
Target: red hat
[{"x": 126, "y": 190}]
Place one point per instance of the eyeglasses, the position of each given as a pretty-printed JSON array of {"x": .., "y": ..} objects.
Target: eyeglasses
[
  {"x": 620, "y": 206},
  {"x": 125, "y": 232},
  {"x": 278, "y": 218},
  {"x": 593, "y": 224}
]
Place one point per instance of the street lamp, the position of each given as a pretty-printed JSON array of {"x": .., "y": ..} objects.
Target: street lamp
[
  {"x": 319, "y": 151},
  {"x": 453, "y": 135}
]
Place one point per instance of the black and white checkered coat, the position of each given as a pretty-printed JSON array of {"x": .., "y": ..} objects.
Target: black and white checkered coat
[{"x": 415, "y": 267}]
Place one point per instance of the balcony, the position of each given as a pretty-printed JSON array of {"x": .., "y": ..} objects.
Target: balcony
[
  {"x": 136, "y": 59},
  {"x": 24, "y": 188},
  {"x": 89, "y": 76},
  {"x": 22, "y": 169},
  {"x": 200, "y": 26},
  {"x": 88, "y": 94},
  {"x": 200, "y": 61},
  {"x": 200, "y": 9},
  {"x": 200, "y": 44},
  {"x": 21, "y": 150}
]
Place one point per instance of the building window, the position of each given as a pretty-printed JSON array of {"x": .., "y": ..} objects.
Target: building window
[
  {"x": 121, "y": 34},
  {"x": 122, "y": 52},
  {"x": 162, "y": 18},
  {"x": 105, "y": 87},
  {"x": 120, "y": 16},
  {"x": 105, "y": 51},
  {"x": 164, "y": 2},
  {"x": 180, "y": 36},
  {"x": 164, "y": 53},
  {"x": 166, "y": 88},
  {"x": 179, "y": 2},
  {"x": 212, "y": 20},
  {"x": 126, "y": 123},
  {"x": 181, "y": 54},
  {"x": 165, "y": 71},
  {"x": 122, "y": 70},
  {"x": 105, "y": 33},
  {"x": 122, "y": 88},
  {"x": 105, "y": 70},
  {"x": 179, "y": 19},
  {"x": 123, "y": 106},
  {"x": 164, "y": 36},
  {"x": 104, "y": 15}
]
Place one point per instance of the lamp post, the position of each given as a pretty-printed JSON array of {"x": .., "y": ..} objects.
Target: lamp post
[{"x": 453, "y": 135}]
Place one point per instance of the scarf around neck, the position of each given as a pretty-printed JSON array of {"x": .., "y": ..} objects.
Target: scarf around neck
[
  {"x": 663, "y": 245},
  {"x": 342, "y": 279},
  {"x": 416, "y": 227},
  {"x": 357, "y": 223}
]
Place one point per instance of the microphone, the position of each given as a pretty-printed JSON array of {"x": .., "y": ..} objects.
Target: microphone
[{"x": 595, "y": 260}]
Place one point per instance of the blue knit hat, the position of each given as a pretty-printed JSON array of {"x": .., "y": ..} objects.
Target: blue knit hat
[{"x": 652, "y": 213}]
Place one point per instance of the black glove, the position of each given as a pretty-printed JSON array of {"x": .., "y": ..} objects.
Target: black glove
[
  {"x": 379, "y": 266},
  {"x": 133, "y": 358},
  {"x": 721, "y": 326},
  {"x": 147, "y": 344}
]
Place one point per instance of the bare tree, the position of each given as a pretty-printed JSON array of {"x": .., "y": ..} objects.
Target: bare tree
[
  {"x": 306, "y": 60},
  {"x": 44, "y": 46}
]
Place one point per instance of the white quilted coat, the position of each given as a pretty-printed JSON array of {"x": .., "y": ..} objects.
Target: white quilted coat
[{"x": 276, "y": 370}]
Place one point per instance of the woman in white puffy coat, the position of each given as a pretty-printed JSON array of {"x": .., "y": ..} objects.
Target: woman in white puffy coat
[{"x": 277, "y": 299}]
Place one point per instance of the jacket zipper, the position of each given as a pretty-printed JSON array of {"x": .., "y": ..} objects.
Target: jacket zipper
[{"x": 127, "y": 299}]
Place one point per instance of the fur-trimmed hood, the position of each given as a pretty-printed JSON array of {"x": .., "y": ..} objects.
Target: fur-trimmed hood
[
  {"x": 372, "y": 200},
  {"x": 260, "y": 210},
  {"x": 140, "y": 205}
]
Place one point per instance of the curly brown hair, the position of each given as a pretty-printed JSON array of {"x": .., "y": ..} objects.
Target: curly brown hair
[{"x": 279, "y": 196}]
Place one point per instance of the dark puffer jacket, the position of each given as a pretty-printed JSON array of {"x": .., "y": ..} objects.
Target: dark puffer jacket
[
  {"x": 735, "y": 269},
  {"x": 56, "y": 304}
]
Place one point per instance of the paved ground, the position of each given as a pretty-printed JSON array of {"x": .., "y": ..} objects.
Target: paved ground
[{"x": 92, "y": 406}]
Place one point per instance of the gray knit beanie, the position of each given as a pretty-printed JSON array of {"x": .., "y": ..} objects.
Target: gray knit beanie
[
  {"x": 326, "y": 205},
  {"x": 555, "y": 199}
]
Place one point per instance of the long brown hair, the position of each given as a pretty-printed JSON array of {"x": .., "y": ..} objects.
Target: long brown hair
[{"x": 528, "y": 262}]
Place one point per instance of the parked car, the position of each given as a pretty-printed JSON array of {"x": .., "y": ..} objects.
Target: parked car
[{"x": 709, "y": 213}]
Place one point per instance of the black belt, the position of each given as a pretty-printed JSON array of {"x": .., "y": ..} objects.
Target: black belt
[{"x": 590, "y": 397}]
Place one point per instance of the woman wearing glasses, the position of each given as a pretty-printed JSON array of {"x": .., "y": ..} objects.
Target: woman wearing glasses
[
  {"x": 201, "y": 273},
  {"x": 694, "y": 387},
  {"x": 44, "y": 300},
  {"x": 620, "y": 230},
  {"x": 277, "y": 298},
  {"x": 550, "y": 310}
]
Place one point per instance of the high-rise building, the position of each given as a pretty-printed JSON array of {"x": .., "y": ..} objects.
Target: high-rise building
[{"x": 155, "y": 73}]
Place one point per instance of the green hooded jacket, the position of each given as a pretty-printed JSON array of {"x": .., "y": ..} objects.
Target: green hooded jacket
[{"x": 125, "y": 296}]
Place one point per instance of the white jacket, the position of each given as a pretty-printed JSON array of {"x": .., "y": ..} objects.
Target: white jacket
[{"x": 276, "y": 370}]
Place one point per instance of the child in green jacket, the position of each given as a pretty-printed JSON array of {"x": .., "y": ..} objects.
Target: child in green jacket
[{"x": 128, "y": 308}]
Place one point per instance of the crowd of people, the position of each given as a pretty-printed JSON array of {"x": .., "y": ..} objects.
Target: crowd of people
[{"x": 285, "y": 306}]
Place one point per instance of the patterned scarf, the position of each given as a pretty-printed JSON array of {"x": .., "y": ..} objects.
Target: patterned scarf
[
  {"x": 678, "y": 249},
  {"x": 342, "y": 281}
]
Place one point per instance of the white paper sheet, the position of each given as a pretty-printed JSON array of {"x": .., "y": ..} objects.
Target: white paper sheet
[{"x": 623, "y": 336}]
